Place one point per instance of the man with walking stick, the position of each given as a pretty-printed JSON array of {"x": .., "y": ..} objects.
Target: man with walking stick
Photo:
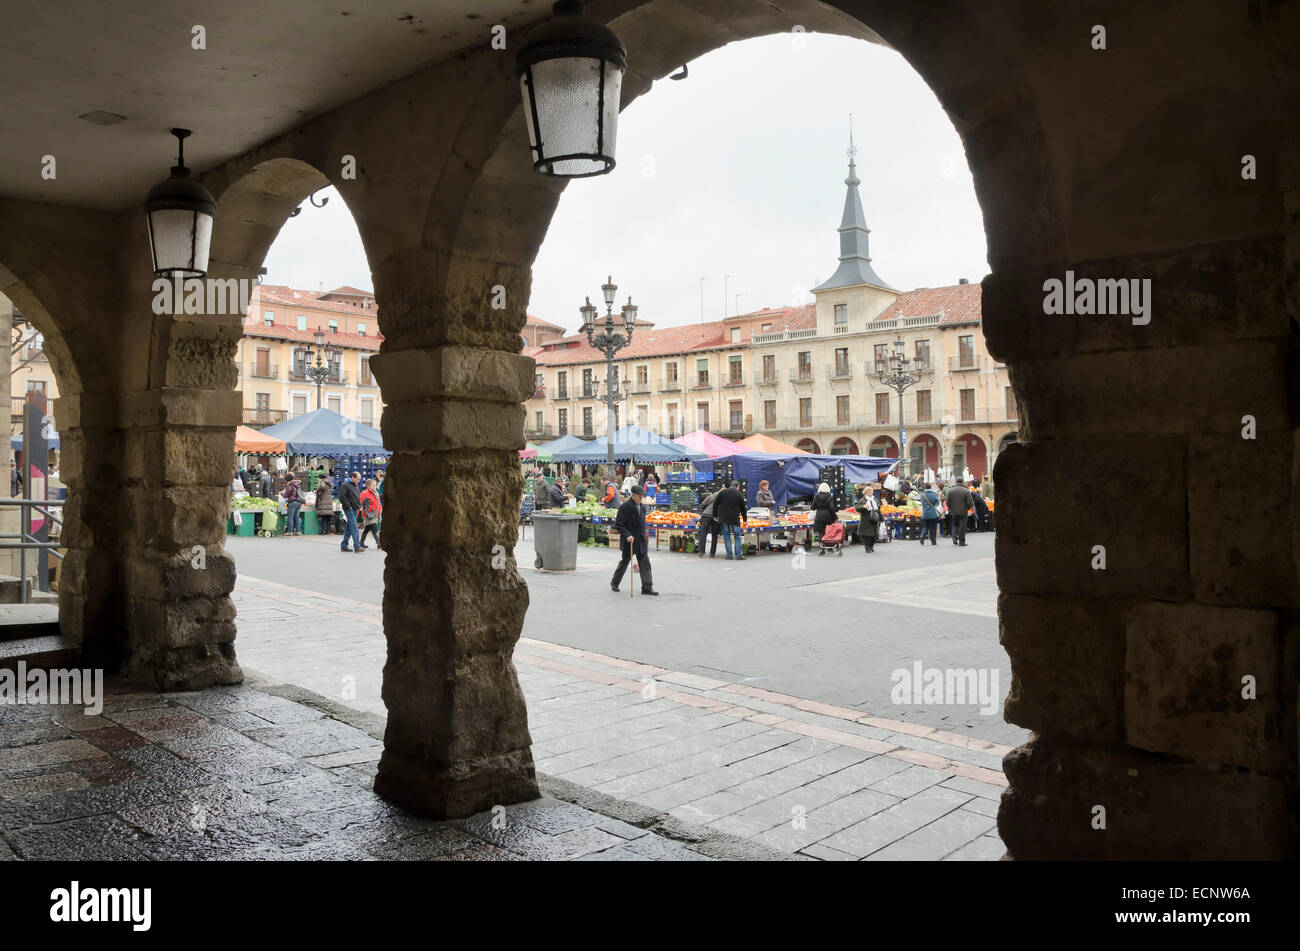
[{"x": 630, "y": 525}]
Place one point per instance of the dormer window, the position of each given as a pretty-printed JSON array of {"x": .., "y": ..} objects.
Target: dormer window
[{"x": 361, "y": 328}]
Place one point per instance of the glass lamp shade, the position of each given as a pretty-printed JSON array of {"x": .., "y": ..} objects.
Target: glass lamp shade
[
  {"x": 319, "y": 337},
  {"x": 629, "y": 314},
  {"x": 571, "y": 78},
  {"x": 588, "y": 311},
  {"x": 180, "y": 212},
  {"x": 609, "y": 289}
]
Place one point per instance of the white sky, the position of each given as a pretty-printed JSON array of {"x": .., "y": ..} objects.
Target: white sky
[{"x": 737, "y": 170}]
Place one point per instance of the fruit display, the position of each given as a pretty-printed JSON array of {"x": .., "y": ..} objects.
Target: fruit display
[{"x": 671, "y": 519}]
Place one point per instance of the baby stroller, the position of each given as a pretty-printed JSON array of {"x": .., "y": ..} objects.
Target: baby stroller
[{"x": 833, "y": 539}]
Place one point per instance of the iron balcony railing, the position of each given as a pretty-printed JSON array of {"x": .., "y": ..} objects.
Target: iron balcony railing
[
  {"x": 765, "y": 378},
  {"x": 801, "y": 375},
  {"x": 264, "y": 416},
  {"x": 264, "y": 371},
  {"x": 669, "y": 386},
  {"x": 839, "y": 371},
  {"x": 969, "y": 362}
]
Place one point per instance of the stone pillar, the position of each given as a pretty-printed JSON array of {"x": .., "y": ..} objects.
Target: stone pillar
[{"x": 457, "y": 739}]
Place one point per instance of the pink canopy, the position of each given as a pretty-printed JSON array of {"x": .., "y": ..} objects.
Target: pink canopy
[
  {"x": 706, "y": 442},
  {"x": 527, "y": 453}
]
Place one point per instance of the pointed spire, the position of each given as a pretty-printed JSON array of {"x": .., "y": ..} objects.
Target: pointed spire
[{"x": 855, "y": 255}]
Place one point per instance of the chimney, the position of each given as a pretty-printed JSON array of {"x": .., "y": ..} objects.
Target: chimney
[{"x": 963, "y": 280}]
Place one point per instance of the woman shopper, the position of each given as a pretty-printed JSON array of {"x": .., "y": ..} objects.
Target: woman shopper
[
  {"x": 929, "y": 515},
  {"x": 292, "y": 495},
  {"x": 824, "y": 509},
  {"x": 868, "y": 520},
  {"x": 325, "y": 505},
  {"x": 764, "y": 496},
  {"x": 371, "y": 508}
]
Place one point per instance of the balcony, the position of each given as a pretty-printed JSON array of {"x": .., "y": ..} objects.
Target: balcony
[
  {"x": 366, "y": 379},
  {"x": 641, "y": 387},
  {"x": 840, "y": 328},
  {"x": 588, "y": 392},
  {"x": 839, "y": 371},
  {"x": 299, "y": 375},
  {"x": 546, "y": 431},
  {"x": 259, "y": 416},
  {"x": 970, "y": 362},
  {"x": 264, "y": 371},
  {"x": 539, "y": 392},
  {"x": 801, "y": 375},
  {"x": 29, "y": 353},
  {"x": 670, "y": 386},
  {"x": 702, "y": 383},
  {"x": 561, "y": 395},
  {"x": 738, "y": 380},
  {"x": 19, "y": 409}
]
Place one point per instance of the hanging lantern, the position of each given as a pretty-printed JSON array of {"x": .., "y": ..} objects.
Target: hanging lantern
[
  {"x": 180, "y": 212},
  {"x": 571, "y": 75}
]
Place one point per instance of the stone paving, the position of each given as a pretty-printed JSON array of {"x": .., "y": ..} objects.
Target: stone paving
[
  {"x": 805, "y": 777},
  {"x": 247, "y": 773}
]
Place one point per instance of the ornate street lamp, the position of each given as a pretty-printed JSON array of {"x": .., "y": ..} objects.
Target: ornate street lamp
[
  {"x": 571, "y": 76},
  {"x": 897, "y": 378},
  {"x": 180, "y": 212},
  {"x": 609, "y": 342},
  {"x": 322, "y": 370}
]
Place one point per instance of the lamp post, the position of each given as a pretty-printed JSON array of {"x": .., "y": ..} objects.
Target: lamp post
[
  {"x": 897, "y": 378},
  {"x": 320, "y": 371},
  {"x": 609, "y": 341}
]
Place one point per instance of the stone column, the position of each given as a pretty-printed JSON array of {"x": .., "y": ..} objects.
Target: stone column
[{"x": 457, "y": 740}]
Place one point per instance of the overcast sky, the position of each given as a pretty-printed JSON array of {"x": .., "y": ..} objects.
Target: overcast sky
[{"x": 737, "y": 170}]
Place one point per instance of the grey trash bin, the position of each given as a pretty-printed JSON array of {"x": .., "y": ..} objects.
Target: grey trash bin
[{"x": 555, "y": 537}]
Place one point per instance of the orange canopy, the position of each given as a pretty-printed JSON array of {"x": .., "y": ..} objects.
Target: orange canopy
[
  {"x": 760, "y": 443},
  {"x": 250, "y": 440}
]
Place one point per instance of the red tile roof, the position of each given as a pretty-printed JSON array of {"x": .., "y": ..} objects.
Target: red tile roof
[
  {"x": 666, "y": 341},
  {"x": 959, "y": 304},
  {"x": 538, "y": 322},
  {"x": 349, "y": 291}
]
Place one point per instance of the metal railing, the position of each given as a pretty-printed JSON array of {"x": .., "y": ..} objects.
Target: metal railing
[
  {"x": 264, "y": 371},
  {"x": 971, "y": 361},
  {"x": 264, "y": 416},
  {"x": 669, "y": 386},
  {"x": 839, "y": 371},
  {"x": 762, "y": 378},
  {"x": 28, "y": 542},
  {"x": 801, "y": 375}
]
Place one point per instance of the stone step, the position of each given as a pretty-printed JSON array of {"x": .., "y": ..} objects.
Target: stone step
[
  {"x": 11, "y": 592},
  {"x": 44, "y": 651},
  {"x": 18, "y": 621}
]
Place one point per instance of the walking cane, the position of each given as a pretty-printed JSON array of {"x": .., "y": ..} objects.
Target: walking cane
[{"x": 636, "y": 566}]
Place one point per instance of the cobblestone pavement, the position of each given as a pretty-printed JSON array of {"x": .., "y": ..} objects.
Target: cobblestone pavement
[
  {"x": 802, "y": 776},
  {"x": 245, "y": 773}
]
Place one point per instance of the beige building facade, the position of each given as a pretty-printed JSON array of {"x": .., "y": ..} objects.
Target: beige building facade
[
  {"x": 813, "y": 376},
  {"x": 280, "y": 341}
]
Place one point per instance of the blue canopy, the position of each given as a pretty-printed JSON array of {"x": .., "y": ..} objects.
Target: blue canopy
[
  {"x": 631, "y": 443},
  {"x": 324, "y": 432},
  {"x": 16, "y": 442},
  {"x": 792, "y": 475},
  {"x": 567, "y": 441}
]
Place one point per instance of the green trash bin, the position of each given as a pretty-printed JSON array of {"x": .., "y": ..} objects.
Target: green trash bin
[
  {"x": 247, "y": 519},
  {"x": 310, "y": 526}
]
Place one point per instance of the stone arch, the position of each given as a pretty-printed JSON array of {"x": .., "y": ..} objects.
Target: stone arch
[
  {"x": 887, "y": 445},
  {"x": 844, "y": 446},
  {"x": 932, "y": 446},
  {"x": 974, "y": 454},
  {"x": 808, "y": 444}
]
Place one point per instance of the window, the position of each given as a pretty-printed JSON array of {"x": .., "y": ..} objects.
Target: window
[
  {"x": 643, "y": 379},
  {"x": 842, "y": 410},
  {"x": 335, "y": 403},
  {"x": 922, "y": 406},
  {"x": 564, "y": 422},
  {"x": 966, "y": 350},
  {"x": 1011, "y": 404},
  {"x": 767, "y": 328},
  {"x": 735, "y": 367},
  {"x": 36, "y": 386},
  {"x": 702, "y": 372},
  {"x": 842, "y": 361},
  {"x": 562, "y": 384},
  {"x": 769, "y": 414},
  {"x": 302, "y": 322},
  {"x": 922, "y": 361},
  {"x": 672, "y": 417},
  {"x": 769, "y": 368},
  {"x": 671, "y": 370},
  {"x": 735, "y": 335},
  {"x": 643, "y": 416},
  {"x": 334, "y": 326},
  {"x": 262, "y": 401},
  {"x": 805, "y": 411},
  {"x": 262, "y": 362},
  {"x": 805, "y": 364},
  {"x": 968, "y": 404},
  {"x": 587, "y": 387},
  {"x": 539, "y": 385},
  {"x": 702, "y": 416},
  {"x": 364, "y": 373},
  {"x": 586, "y": 421},
  {"x": 361, "y": 329},
  {"x": 881, "y": 357},
  {"x": 335, "y": 363},
  {"x": 537, "y": 428},
  {"x": 841, "y": 315},
  {"x": 882, "y": 409},
  {"x": 268, "y": 318},
  {"x": 367, "y": 411},
  {"x": 299, "y": 404},
  {"x": 736, "y": 415}
]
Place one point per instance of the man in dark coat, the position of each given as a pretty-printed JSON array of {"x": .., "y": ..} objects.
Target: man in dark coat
[
  {"x": 959, "y": 503},
  {"x": 556, "y": 496},
  {"x": 350, "y": 497},
  {"x": 981, "y": 507},
  {"x": 728, "y": 510},
  {"x": 264, "y": 484},
  {"x": 632, "y": 540}
]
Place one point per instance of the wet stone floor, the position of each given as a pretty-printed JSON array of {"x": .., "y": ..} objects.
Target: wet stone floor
[{"x": 245, "y": 773}]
